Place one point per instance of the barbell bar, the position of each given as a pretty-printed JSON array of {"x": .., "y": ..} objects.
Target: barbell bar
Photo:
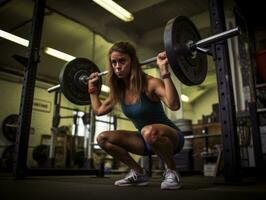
[
  {"x": 185, "y": 50},
  {"x": 198, "y": 46},
  {"x": 84, "y": 78},
  {"x": 201, "y": 44},
  {"x": 215, "y": 38},
  {"x": 191, "y": 137}
]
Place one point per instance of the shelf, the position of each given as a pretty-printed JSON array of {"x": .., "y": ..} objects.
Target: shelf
[
  {"x": 261, "y": 110},
  {"x": 261, "y": 85}
]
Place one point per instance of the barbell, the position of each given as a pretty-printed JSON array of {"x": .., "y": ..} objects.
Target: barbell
[{"x": 185, "y": 50}]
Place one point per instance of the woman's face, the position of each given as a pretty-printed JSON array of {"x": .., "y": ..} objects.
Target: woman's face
[{"x": 121, "y": 64}]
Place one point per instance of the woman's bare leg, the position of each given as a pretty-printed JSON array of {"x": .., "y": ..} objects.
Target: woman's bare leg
[
  {"x": 164, "y": 141},
  {"x": 119, "y": 143}
]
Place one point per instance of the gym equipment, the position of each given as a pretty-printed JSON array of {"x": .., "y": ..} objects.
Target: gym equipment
[
  {"x": 79, "y": 158},
  {"x": 191, "y": 137},
  {"x": 10, "y": 126},
  {"x": 20, "y": 169},
  {"x": 186, "y": 57},
  {"x": 190, "y": 68},
  {"x": 40, "y": 154},
  {"x": 185, "y": 125},
  {"x": 8, "y": 158},
  {"x": 73, "y": 80}
]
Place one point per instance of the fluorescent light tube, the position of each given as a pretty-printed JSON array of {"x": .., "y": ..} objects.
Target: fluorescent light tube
[
  {"x": 115, "y": 9},
  {"x": 14, "y": 38},
  {"x": 58, "y": 54},
  {"x": 47, "y": 50}
]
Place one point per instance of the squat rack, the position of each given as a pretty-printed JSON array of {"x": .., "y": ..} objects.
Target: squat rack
[{"x": 20, "y": 166}]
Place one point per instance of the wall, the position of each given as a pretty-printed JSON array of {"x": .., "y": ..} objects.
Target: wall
[
  {"x": 41, "y": 121},
  {"x": 203, "y": 106},
  {"x": 9, "y": 105}
]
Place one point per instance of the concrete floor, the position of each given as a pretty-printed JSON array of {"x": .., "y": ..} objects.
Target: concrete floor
[{"x": 91, "y": 187}]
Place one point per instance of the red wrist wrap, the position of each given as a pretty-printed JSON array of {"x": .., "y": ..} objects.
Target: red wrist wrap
[{"x": 92, "y": 90}]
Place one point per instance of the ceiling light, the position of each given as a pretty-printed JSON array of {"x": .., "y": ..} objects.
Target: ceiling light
[
  {"x": 14, "y": 38},
  {"x": 115, "y": 9},
  {"x": 58, "y": 54},
  {"x": 48, "y": 50},
  {"x": 184, "y": 98}
]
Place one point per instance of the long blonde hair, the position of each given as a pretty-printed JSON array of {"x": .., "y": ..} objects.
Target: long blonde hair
[{"x": 137, "y": 76}]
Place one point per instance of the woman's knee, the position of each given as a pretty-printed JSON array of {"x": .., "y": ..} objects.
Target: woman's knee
[
  {"x": 102, "y": 138},
  {"x": 150, "y": 134}
]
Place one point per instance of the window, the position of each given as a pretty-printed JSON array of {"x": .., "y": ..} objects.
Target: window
[{"x": 102, "y": 123}]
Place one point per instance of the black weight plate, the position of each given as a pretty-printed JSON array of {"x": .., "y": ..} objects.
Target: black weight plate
[
  {"x": 189, "y": 69},
  {"x": 8, "y": 157},
  {"x": 41, "y": 153},
  {"x": 10, "y": 126},
  {"x": 73, "y": 89}
]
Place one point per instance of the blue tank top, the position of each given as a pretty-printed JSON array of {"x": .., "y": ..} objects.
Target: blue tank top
[{"x": 146, "y": 112}]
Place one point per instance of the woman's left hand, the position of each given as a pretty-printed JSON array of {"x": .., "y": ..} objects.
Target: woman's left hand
[{"x": 162, "y": 62}]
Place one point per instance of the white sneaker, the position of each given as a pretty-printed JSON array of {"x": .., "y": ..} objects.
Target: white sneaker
[
  {"x": 133, "y": 178},
  {"x": 171, "y": 180}
]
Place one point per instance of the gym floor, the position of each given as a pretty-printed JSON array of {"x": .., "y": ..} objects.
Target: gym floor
[{"x": 91, "y": 187}]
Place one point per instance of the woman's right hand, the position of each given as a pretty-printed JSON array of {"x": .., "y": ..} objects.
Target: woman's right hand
[{"x": 93, "y": 80}]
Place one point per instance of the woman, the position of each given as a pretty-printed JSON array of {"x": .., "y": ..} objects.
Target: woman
[{"x": 140, "y": 97}]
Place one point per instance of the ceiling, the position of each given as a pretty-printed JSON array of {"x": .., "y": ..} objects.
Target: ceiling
[{"x": 146, "y": 31}]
